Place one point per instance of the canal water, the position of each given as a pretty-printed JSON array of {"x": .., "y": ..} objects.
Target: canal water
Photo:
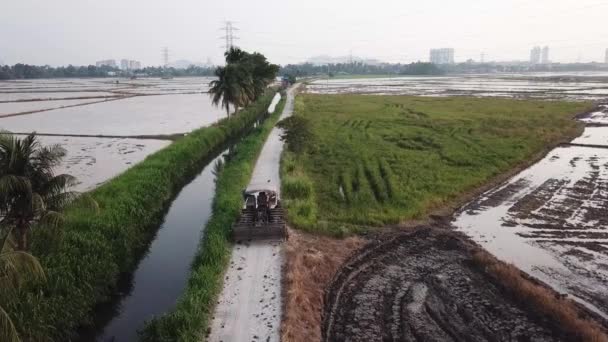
[{"x": 162, "y": 274}]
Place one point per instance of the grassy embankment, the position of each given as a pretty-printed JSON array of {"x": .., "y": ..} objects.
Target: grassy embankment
[
  {"x": 191, "y": 316},
  {"x": 84, "y": 264},
  {"x": 377, "y": 160}
]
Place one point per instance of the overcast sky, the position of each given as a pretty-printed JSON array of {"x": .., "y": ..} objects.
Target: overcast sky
[{"x": 80, "y": 32}]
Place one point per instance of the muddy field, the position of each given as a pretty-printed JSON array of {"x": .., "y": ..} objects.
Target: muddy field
[
  {"x": 541, "y": 86},
  {"x": 551, "y": 222},
  {"x": 424, "y": 286}
]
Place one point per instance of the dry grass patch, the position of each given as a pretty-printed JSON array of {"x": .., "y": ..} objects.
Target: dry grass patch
[
  {"x": 311, "y": 262},
  {"x": 563, "y": 311}
]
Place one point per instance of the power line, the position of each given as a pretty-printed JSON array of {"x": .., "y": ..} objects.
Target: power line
[
  {"x": 165, "y": 56},
  {"x": 229, "y": 34}
]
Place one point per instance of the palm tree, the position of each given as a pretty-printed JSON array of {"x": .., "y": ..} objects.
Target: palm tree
[
  {"x": 233, "y": 86},
  {"x": 16, "y": 267},
  {"x": 30, "y": 192},
  {"x": 263, "y": 73},
  {"x": 243, "y": 79}
]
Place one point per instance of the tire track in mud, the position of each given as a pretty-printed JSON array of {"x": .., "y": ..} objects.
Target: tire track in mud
[{"x": 422, "y": 286}]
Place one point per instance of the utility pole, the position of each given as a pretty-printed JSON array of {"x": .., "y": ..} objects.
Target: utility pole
[
  {"x": 229, "y": 35},
  {"x": 165, "y": 56}
]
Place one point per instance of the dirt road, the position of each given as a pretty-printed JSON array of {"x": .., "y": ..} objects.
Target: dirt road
[
  {"x": 422, "y": 286},
  {"x": 249, "y": 307}
]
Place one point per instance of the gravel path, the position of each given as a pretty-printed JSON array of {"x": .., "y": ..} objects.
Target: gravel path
[{"x": 249, "y": 307}]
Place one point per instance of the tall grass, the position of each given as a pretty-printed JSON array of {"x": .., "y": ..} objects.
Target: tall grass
[
  {"x": 562, "y": 311},
  {"x": 375, "y": 160},
  {"x": 84, "y": 265},
  {"x": 192, "y": 314}
]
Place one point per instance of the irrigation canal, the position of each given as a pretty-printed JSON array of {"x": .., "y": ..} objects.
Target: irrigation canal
[{"x": 162, "y": 274}]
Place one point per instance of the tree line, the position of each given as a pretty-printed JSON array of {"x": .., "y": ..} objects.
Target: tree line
[
  {"x": 242, "y": 80},
  {"x": 359, "y": 68},
  {"x": 26, "y": 71}
]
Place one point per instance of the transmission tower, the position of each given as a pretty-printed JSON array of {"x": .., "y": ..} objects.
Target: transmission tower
[
  {"x": 165, "y": 56},
  {"x": 229, "y": 34}
]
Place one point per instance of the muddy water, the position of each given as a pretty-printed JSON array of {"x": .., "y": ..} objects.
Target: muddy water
[
  {"x": 95, "y": 160},
  {"x": 162, "y": 274},
  {"x": 550, "y": 220}
]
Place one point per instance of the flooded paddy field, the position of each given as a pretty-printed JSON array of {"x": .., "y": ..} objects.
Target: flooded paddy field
[
  {"x": 550, "y": 220},
  {"x": 95, "y": 160},
  {"x": 139, "y": 115},
  {"x": 86, "y": 116},
  {"x": 52, "y": 95},
  {"x": 514, "y": 86},
  {"x": 11, "y": 108}
]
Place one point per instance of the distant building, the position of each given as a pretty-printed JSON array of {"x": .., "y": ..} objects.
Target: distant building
[
  {"x": 135, "y": 65},
  {"x": 126, "y": 64},
  {"x": 544, "y": 58},
  {"x": 442, "y": 56},
  {"x": 535, "y": 55},
  {"x": 107, "y": 62},
  {"x": 606, "y": 57}
]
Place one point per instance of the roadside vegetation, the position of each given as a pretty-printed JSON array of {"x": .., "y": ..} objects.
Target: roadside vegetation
[
  {"x": 374, "y": 160},
  {"x": 193, "y": 312}
]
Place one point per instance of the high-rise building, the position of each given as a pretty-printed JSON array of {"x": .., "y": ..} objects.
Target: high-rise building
[
  {"x": 535, "y": 55},
  {"x": 442, "y": 56},
  {"x": 134, "y": 65},
  {"x": 606, "y": 57},
  {"x": 544, "y": 59},
  {"x": 107, "y": 62},
  {"x": 127, "y": 64}
]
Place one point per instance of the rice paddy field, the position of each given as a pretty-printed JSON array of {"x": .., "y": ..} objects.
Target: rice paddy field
[
  {"x": 377, "y": 160},
  {"x": 100, "y": 122}
]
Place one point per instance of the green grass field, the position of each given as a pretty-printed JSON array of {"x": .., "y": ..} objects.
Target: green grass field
[{"x": 383, "y": 159}]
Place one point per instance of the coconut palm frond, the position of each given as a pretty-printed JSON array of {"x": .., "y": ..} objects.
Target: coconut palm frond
[
  {"x": 17, "y": 267},
  {"x": 12, "y": 184},
  {"x": 38, "y": 207},
  {"x": 52, "y": 219},
  {"x": 8, "y": 332},
  {"x": 50, "y": 156},
  {"x": 59, "y": 183}
]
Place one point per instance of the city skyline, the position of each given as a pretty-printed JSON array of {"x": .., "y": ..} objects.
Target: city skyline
[{"x": 387, "y": 31}]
